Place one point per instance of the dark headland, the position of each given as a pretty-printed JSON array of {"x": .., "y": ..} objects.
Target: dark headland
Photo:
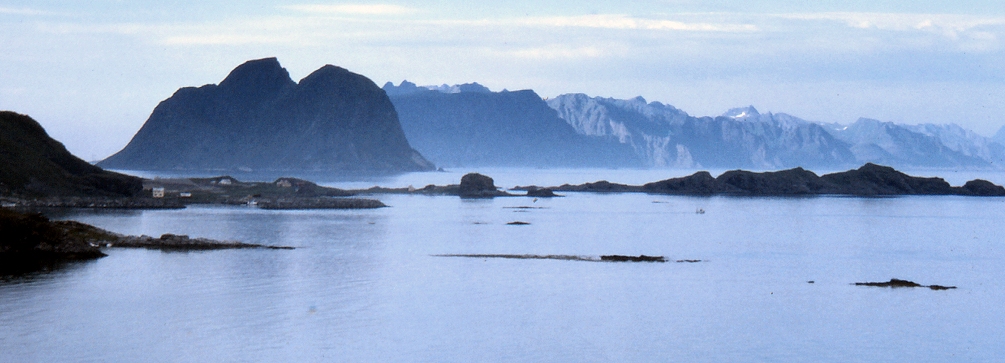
[{"x": 32, "y": 242}]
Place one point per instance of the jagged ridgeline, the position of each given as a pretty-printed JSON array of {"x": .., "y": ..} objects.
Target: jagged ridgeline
[
  {"x": 259, "y": 119},
  {"x": 32, "y": 164},
  {"x": 664, "y": 136}
]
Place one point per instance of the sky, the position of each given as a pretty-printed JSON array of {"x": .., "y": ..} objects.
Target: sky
[{"x": 92, "y": 71}]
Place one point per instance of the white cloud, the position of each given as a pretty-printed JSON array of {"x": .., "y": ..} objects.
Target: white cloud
[
  {"x": 903, "y": 21},
  {"x": 352, "y": 9},
  {"x": 625, "y": 22}
]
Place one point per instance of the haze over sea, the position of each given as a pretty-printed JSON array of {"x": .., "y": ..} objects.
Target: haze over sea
[{"x": 365, "y": 285}]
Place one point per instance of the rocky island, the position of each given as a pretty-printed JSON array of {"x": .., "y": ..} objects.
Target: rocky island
[{"x": 868, "y": 180}]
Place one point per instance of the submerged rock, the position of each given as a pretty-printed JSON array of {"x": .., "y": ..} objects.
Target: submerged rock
[
  {"x": 894, "y": 283},
  {"x": 541, "y": 193},
  {"x": 639, "y": 258}
]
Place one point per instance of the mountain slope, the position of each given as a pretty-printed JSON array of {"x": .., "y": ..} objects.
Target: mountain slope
[
  {"x": 32, "y": 164},
  {"x": 938, "y": 146},
  {"x": 258, "y": 118},
  {"x": 468, "y": 125}
]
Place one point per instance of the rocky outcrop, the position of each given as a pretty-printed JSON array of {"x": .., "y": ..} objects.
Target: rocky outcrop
[
  {"x": 895, "y": 283},
  {"x": 474, "y": 185},
  {"x": 33, "y": 165},
  {"x": 639, "y": 258},
  {"x": 32, "y": 242},
  {"x": 541, "y": 193},
  {"x": 173, "y": 242},
  {"x": 980, "y": 187},
  {"x": 259, "y": 119}
]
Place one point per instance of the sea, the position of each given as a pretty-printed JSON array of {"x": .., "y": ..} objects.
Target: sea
[{"x": 760, "y": 279}]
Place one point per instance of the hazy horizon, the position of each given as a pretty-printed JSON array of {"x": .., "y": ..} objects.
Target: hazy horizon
[{"x": 92, "y": 72}]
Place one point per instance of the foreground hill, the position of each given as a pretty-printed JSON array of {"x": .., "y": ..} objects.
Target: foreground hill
[
  {"x": 468, "y": 125},
  {"x": 259, "y": 119},
  {"x": 32, "y": 165}
]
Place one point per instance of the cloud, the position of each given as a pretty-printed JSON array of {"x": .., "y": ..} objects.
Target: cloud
[
  {"x": 352, "y": 9},
  {"x": 903, "y": 21},
  {"x": 967, "y": 33},
  {"x": 625, "y": 22}
]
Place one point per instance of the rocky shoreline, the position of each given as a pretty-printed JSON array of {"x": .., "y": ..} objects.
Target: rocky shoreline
[{"x": 32, "y": 242}]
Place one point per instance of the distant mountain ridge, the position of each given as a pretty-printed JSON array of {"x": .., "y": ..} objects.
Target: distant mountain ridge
[
  {"x": 259, "y": 119},
  {"x": 468, "y": 125},
  {"x": 664, "y": 136},
  {"x": 926, "y": 145}
]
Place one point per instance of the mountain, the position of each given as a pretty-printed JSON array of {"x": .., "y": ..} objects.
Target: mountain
[
  {"x": 926, "y": 145},
  {"x": 469, "y": 125},
  {"x": 32, "y": 164},
  {"x": 258, "y": 118},
  {"x": 999, "y": 136},
  {"x": 664, "y": 136}
]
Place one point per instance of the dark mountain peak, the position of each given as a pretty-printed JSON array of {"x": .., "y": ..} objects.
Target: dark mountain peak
[
  {"x": 264, "y": 75},
  {"x": 473, "y": 87},
  {"x": 333, "y": 78},
  {"x": 326, "y": 73},
  {"x": 259, "y": 119}
]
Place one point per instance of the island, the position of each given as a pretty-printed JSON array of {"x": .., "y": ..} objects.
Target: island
[{"x": 868, "y": 180}]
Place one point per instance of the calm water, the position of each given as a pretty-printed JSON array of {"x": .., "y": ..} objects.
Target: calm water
[{"x": 365, "y": 286}]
